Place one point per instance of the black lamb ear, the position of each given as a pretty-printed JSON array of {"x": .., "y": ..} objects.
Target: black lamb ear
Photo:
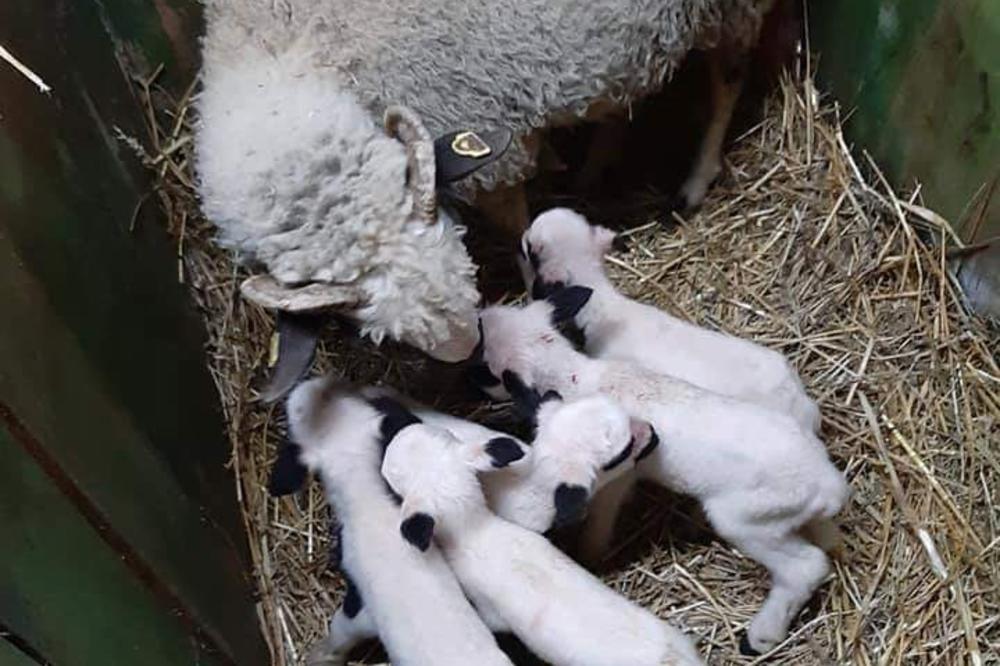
[
  {"x": 288, "y": 474},
  {"x": 395, "y": 417},
  {"x": 567, "y": 302},
  {"x": 459, "y": 154},
  {"x": 526, "y": 399},
  {"x": 541, "y": 290},
  {"x": 571, "y": 504},
  {"x": 503, "y": 451},
  {"x": 418, "y": 529}
]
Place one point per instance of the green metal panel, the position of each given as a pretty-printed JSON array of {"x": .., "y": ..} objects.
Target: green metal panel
[
  {"x": 101, "y": 355},
  {"x": 77, "y": 604},
  {"x": 11, "y": 656},
  {"x": 58, "y": 397},
  {"x": 68, "y": 190},
  {"x": 923, "y": 80}
]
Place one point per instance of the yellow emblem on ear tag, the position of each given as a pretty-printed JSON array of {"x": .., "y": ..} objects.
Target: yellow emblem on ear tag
[
  {"x": 274, "y": 344},
  {"x": 468, "y": 144}
]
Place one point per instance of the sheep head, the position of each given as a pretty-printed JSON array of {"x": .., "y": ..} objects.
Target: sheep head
[{"x": 419, "y": 286}]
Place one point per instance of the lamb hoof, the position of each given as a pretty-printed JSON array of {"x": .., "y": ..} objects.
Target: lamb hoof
[{"x": 745, "y": 648}]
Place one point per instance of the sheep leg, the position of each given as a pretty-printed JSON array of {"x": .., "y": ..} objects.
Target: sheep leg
[
  {"x": 602, "y": 515},
  {"x": 506, "y": 208},
  {"x": 797, "y": 568},
  {"x": 604, "y": 149},
  {"x": 727, "y": 73},
  {"x": 345, "y": 633}
]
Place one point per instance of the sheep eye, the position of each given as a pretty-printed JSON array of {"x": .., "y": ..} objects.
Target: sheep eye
[{"x": 621, "y": 457}]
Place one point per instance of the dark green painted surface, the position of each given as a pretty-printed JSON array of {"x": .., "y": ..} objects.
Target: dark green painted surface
[
  {"x": 11, "y": 656},
  {"x": 923, "y": 80},
  {"x": 157, "y": 31},
  {"x": 68, "y": 190},
  {"x": 57, "y": 393},
  {"x": 101, "y": 355},
  {"x": 77, "y": 605}
]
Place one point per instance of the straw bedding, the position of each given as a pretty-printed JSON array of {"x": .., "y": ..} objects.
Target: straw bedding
[{"x": 801, "y": 247}]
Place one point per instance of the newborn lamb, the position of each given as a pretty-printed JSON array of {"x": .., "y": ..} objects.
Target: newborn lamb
[
  {"x": 760, "y": 476},
  {"x": 411, "y": 601},
  {"x": 513, "y": 576},
  {"x": 579, "y": 446},
  {"x": 562, "y": 249}
]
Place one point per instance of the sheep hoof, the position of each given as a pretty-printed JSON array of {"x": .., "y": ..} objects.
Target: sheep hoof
[
  {"x": 745, "y": 648},
  {"x": 677, "y": 203}
]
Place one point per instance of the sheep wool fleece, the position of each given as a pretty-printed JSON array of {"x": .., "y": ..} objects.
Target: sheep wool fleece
[{"x": 294, "y": 167}]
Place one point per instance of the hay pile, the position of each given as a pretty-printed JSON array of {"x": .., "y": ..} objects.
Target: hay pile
[{"x": 799, "y": 247}]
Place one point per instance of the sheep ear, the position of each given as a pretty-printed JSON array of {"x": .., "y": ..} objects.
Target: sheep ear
[
  {"x": 567, "y": 302},
  {"x": 417, "y": 527},
  {"x": 404, "y": 124},
  {"x": 497, "y": 453},
  {"x": 271, "y": 294},
  {"x": 288, "y": 474},
  {"x": 459, "y": 154}
]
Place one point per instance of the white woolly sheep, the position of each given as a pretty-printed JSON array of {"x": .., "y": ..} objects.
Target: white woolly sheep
[
  {"x": 762, "y": 479},
  {"x": 513, "y": 576},
  {"x": 412, "y": 602},
  {"x": 562, "y": 249},
  {"x": 297, "y": 173},
  {"x": 579, "y": 446}
]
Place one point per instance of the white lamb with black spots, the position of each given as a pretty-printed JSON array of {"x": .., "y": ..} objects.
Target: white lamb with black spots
[
  {"x": 579, "y": 447},
  {"x": 410, "y": 600},
  {"x": 562, "y": 249},
  {"x": 764, "y": 480},
  {"x": 515, "y": 577}
]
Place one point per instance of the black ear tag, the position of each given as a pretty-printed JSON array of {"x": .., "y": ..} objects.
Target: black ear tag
[
  {"x": 298, "y": 335},
  {"x": 458, "y": 154}
]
